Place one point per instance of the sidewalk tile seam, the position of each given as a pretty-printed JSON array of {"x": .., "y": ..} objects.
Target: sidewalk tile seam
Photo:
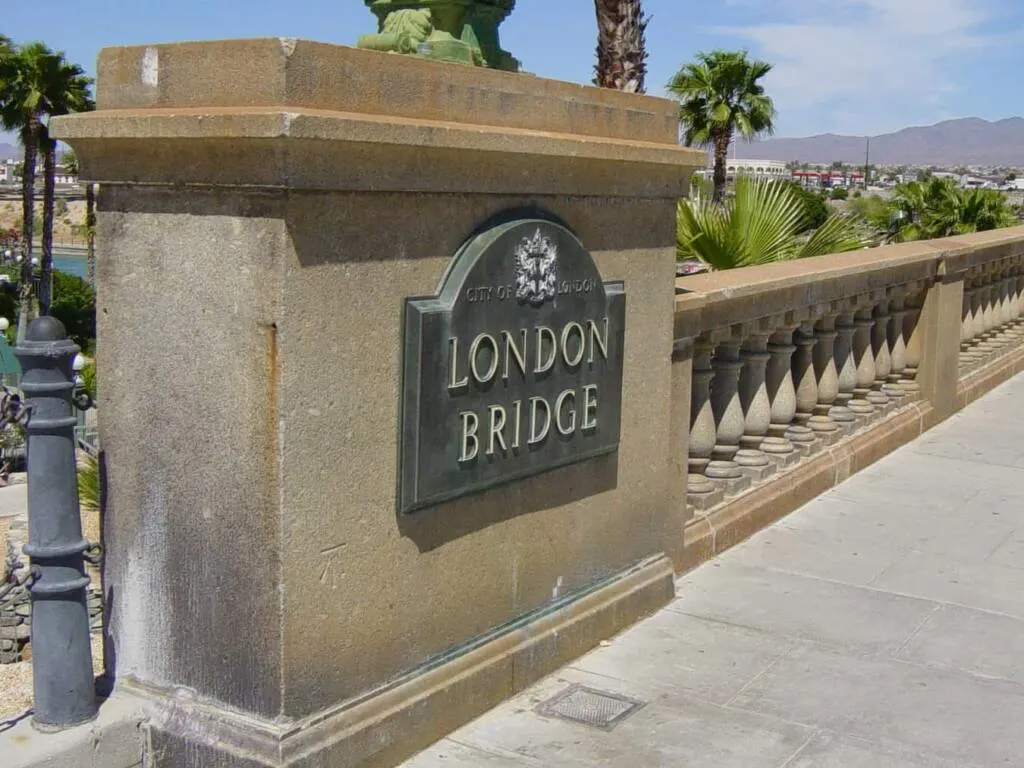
[
  {"x": 815, "y": 732},
  {"x": 753, "y": 681},
  {"x": 493, "y": 750},
  {"x": 1010, "y": 536},
  {"x": 936, "y": 609}
]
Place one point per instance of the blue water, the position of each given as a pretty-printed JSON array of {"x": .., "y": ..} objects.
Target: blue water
[{"x": 72, "y": 265}]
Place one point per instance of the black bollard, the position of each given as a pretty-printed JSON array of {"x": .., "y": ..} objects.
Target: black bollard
[{"x": 62, "y": 674}]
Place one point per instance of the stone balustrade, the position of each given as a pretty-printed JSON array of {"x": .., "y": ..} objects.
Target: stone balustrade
[{"x": 803, "y": 372}]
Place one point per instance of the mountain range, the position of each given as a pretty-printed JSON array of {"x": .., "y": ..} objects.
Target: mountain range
[{"x": 967, "y": 141}]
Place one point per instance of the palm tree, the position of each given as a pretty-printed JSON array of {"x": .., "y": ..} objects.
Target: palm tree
[
  {"x": 70, "y": 161},
  {"x": 36, "y": 83},
  {"x": 721, "y": 95},
  {"x": 939, "y": 208},
  {"x": 761, "y": 224},
  {"x": 621, "y": 46},
  {"x": 21, "y": 102},
  {"x": 66, "y": 89}
]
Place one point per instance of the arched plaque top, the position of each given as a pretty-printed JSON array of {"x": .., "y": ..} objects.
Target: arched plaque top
[
  {"x": 536, "y": 255},
  {"x": 513, "y": 368}
]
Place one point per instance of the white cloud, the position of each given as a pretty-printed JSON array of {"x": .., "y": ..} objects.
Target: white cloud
[{"x": 881, "y": 60}]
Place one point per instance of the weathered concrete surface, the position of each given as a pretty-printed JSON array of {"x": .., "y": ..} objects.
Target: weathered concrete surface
[
  {"x": 880, "y": 625},
  {"x": 115, "y": 739}
]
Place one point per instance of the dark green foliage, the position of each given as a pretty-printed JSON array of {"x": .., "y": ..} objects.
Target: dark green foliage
[
  {"x": 89, "y": 376},
  {"x": 840, "y": 193},
  {"x": 74, "y": 304},
  {"x": 89, "y": 497},
  {"x": 815, "y": 209}
]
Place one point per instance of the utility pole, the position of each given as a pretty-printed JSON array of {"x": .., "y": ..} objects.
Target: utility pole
[{"x": 867, "y": 162}]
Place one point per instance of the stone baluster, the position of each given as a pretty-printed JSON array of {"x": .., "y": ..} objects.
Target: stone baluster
[
  {"x": 701, "y": 492},
  {"x": 897, "y": 343},
  {"x": 998, "y": 295},
  {"x": 756, "y": 406},
  {"x": 702, "y": 417},
  {"x": 729, "y": 418},
  {"x": 987, "y": 317},
  {"x": 1004, "y": 296},
  {"x": 847, "y": 368},
  {"x": 968, "y": 353},
  {"x": 806, "y": 384},
  {"x": 1015, "y": 306},
  {"x": 828, "y": 416},
  {"x": 782, "y": 394},
  {"x": 1007, "y": 290},
  {"x": 980, "y": 343},
  {"x": 880, "y": 346},
  {"x": 864, "y": 357},
  {"x": 913, "y": 332},
  {"x": 1018, "y": 284}
]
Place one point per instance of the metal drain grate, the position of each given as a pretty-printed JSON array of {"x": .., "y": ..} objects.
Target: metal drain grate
[{"x": 588, "y": 706}]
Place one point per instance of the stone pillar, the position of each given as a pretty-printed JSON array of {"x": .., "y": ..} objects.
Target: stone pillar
[
  {"x": 259, "y": 239},
  {"x": 940, "y": 326}
]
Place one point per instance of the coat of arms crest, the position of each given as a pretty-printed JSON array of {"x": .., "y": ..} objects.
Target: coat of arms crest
[{"x": 535, "y": 269}]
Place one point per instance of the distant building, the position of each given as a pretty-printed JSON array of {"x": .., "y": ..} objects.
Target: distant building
[
  {"x": 815, "y": 179},
  {"x": 62, "y": 177},
  {"x": 759, "y": 169}
]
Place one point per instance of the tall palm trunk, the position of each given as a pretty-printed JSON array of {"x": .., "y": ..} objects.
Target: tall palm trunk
[
  {"x": 721, "y": 143},
  {"x": 621, "y": 45},
  {"x": 30, "y": 138},
  {"x": 48, "y": 147},
  {"x": 90, "y": 233}
]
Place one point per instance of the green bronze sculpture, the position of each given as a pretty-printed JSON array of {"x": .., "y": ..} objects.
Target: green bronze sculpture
[{"x": 464, "y": 31}]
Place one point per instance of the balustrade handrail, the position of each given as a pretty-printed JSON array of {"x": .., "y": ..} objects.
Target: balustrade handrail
[
  {"x": 789, "y": 358},
  {"x": 720, "y": 299}
]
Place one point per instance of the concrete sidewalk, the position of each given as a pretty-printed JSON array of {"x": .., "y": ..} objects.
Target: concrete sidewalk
[{"x": 881, "y": 625}]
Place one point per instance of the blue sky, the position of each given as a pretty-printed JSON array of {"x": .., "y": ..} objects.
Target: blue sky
[{"x": 845, "y": 66}]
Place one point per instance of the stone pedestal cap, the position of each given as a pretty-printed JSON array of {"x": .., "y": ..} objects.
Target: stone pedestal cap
[{"x": 282, "y": 112}]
